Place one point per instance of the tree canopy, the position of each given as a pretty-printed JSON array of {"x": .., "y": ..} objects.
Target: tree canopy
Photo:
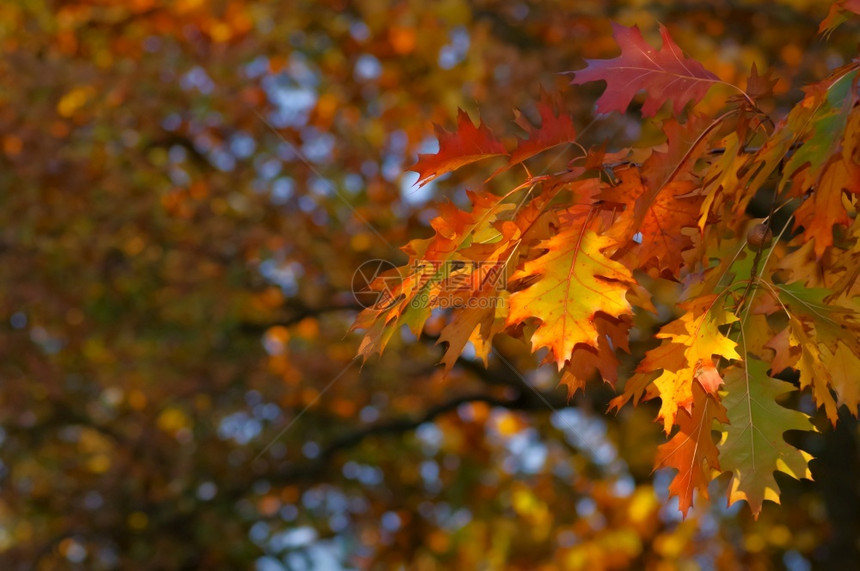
[{"x": 625, "y": 213}]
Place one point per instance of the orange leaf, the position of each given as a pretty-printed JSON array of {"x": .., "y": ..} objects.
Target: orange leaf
[
  {"x": 554, "y": 130},
  {"x": 467, "y": 145},
  {"x": 660, "y": 237},
  {"x": 588, "y": 360},
  {"x": 692, "y": 449}
]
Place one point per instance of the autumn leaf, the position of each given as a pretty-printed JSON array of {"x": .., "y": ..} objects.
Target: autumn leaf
[
  {"x": 588, "y": 360},
  {"x": 824, "y": 163},
  {"x": 685, "y": 144},
  {"x": 721, "y": 183},
  {"x": 708, "y": 376},
  {"x": 686, "y": 356},
  {"x": 824, "y": 209},
  {"x": 839, "y": 13},
  {"x": 470, "y": 241},
  {"x": 692, "y": 450},
  {"x": 844, "y": 367},
  {"x": 477, "y": 323},
  {"x": 660, "y": 198},
  {"x": 574, "y": 281},
  {"x": 825, "y": 131},
  {"x": 466, "y": 145},
  {"x": 787, "y": 133},
  {"x": 676, "y": 211},
  {"x": 753, "y": 448},
  {"x": 555, "y": 129},
  {"x": 819, "y": 339},
  {"x": 759, "y": 86},
  {"x": 659, "y": 240},
  {"x": 664, "y": 74}
]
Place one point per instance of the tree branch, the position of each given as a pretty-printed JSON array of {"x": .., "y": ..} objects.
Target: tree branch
[
  {"x": 298, "y": 313},
  {"x": 525, "y": 401}
]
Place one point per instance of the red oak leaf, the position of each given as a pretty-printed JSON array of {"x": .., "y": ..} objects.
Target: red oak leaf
[
  {"x": 554, "y": 130},
  {"x": 665, "y": 74},
  {"x": 467, "y": 145}
]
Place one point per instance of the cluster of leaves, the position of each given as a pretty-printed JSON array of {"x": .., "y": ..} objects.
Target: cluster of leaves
[
  {"x": 188, "y": 188},
  {"x": 583, "y": 250}
]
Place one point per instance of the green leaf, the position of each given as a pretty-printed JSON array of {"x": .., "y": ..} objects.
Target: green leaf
[
  {"x": 752, "y": 446},
  {"x": 827, "y": 127}
]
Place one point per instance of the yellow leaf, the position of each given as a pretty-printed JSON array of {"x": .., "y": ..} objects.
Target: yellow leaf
[
  {"x": 575, "y": 281},
  {"x": 695, "y": 339}
]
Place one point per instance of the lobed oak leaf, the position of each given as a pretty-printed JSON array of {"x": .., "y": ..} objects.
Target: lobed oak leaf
[
  {"x": 377, "y": 334},
  {"x": 555, "y": 129},
  {"x": 844, "y": 279},
  {"x": 817, "y": 328},
  {"x": 826, "y": 164},
  {"x": 667, "y": 171},
  {"x": 752, "y": 447},
  {"x": 824, "y": 209},
  {"x": 685, "y": 144},
  {"x": 844, "y": 367},
  {"x": 785, "y": 137},
  {"x": 664, "y": 74},
  {"x": 477, "y": 323},
  {"x": 758, "y": 333},
  {"x": 480, "y": 308},
  {"x": 813, "y": 368},
  {"x": 686, "y": 358},
  {"x": 798, "y": 265},
  {"x": 708, "y": 376},
  {"x": 587, "y": 360},
  {"x": 537, "y": 221},
  {"x": 760, "y": 86},
  {"x": 721, "y": 184},
  {"x": 785, "y": 354},
  {"x": 456, "y": 228},
  {"x": 573, "y": 281},
  {"x": 433, "y": 263},
  {"x": 466, "y": 145},
  {"x": 658, "y": 238},
  {"x": 692, "y": 450}
]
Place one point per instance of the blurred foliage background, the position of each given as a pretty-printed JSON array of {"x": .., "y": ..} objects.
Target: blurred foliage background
[{"x": 186, "y": 188}]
